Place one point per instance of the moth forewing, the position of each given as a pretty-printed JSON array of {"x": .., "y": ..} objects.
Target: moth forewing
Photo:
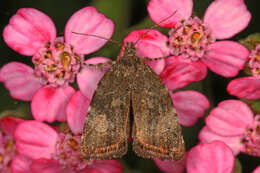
[{"x": 106, "y": 131}]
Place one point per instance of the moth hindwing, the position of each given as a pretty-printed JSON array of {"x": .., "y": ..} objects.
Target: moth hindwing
[{"x": 155, "y": 131}]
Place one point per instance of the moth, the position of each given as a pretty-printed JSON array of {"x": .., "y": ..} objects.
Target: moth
[{"x": 130, "y": 84}]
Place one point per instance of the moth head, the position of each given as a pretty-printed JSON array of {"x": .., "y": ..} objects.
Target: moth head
[{"x": 129, "y": 49}]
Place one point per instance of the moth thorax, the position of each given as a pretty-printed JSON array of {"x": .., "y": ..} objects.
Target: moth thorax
[
  {"x": 190, "y": 39},
  {"x": 130, "y": 49},
  {"x": 57, "y": 64}
]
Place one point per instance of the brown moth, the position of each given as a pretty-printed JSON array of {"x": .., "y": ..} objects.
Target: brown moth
[{"x": 156, "y": 131}]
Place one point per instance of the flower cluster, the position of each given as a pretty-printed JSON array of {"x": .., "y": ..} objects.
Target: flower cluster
[{"x": 192, "y": 46}]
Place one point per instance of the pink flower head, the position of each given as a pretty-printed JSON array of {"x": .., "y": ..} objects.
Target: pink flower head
[
  {"x": 193, "y": 41},
  {"x": 234, "y": 123},
  {"x": 57, "y": 60},
  {"x": 248, "y": 87},
  {"x": 59, "y": 151},
  {"x": 10, "y": 159}
]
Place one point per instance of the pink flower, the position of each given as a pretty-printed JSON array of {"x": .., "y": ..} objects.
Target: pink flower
[
  {"x": 10, "y": 159},
  {"x": 57, "y": 61},
  {"x": 248, "y": 87},
  {"x": 192, "y": 41},
  {"x": 234, "y": 123},
  {"x": 58, "y": 151},
  {"x": 215, "y": 156}
]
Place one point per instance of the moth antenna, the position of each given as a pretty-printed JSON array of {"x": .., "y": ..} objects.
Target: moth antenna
[
  {"x": 113, "y": 41},
  {"x": 154, "y": 26},
  {"x": 100, "y": 65}
]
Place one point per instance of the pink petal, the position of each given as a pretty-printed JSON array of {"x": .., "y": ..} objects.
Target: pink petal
[
  {"x": 245, "y": 87},
  {"x": 152, "y": 45},
  {"x": 28, "y": 30},
  {"x": 159, "y": 10},
  {"x": 179, "y": 73},
  {"x": 8, "y": 124},
  {"x": 190, "y": 105},
  {"x": 19, "y": 80},
  {"x": 103, "y": 166},
  {"x": 215, "y": 157},
  {"x": 226, "y": 58},
  {"x": 21, "y": 164},
  {"x": 49, "y": 103},
  {"x": 77, "y": 109},
  {"x": 169, "y": 166},
  {"x": 234, "y": 142},
  {"x": 88, "y": 21},
  {"x": 230, "y": 117},
  {"x": 156, "y": 66},
  {"x": 257, "y": 170},
  {"x": 35, "y": 139},
  {"x": 89, "y": 77},
  {"x": 48, "y": 166},
  {"x": 223, "y": 25}
]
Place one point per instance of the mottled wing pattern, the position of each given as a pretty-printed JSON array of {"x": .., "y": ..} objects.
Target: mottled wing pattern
[
  {"x": 156, "y": 129},
  {"x": 106, "y": 129}
]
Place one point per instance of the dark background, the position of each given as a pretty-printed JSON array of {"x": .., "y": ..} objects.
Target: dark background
[{"x": 127, "y": 16}]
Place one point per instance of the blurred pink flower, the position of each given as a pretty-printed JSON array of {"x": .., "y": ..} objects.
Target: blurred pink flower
[
  {"x": 58, "y": 151},
  {"x": 215, "y": 156},
  {"x": 234, "y": 123},
  {"x": 57, "y": 60},
  {"x": 10, "y": 159},
  {"x": 192, "y": 41},
  {"x": 248, "y": 87},
  {"x": 257, "y": 170}
]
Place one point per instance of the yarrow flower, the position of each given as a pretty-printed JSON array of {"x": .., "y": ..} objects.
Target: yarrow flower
[
  {"x": 192, "y": 41},
  {"x": 248, "y": 87},
  {"x": 215, "y": 156},
  {"x": 57, "y": 60},
  {"x": 58, "y": 150},
  {"x": 234, "y": 123},
  {"x": 10, "y": 159}
]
